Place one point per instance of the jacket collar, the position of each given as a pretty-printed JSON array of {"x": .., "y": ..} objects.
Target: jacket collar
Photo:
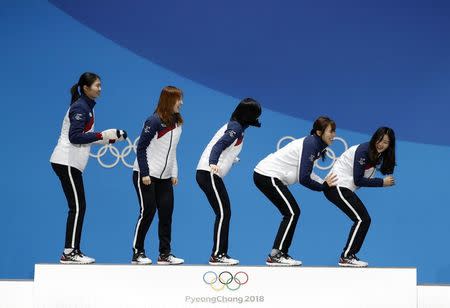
[
  {"x": 320, "y": 143},
  {"x": 89, "y": 101}
]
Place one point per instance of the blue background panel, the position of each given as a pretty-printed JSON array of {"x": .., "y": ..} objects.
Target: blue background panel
[{"x": 365, "y": 66}]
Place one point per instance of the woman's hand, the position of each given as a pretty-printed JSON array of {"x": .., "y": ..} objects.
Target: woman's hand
[
  {"x": 174, "y": 181},
  {"x": 331, "y": 179},
  {"x": 214, "y": 168},
  {"x": 146, "y": 180},
  {"x": 388, "y": 181}
]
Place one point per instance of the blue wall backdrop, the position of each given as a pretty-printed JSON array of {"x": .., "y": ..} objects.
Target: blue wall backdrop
[{"x": 364, "y": 64}]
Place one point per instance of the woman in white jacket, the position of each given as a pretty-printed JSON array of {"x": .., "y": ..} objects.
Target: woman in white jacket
[
  {"x": 289, "y": 165},
  {"x": 155, "y": 173},
  {"x": 216, "y": 161},
  {"x": 356, "y": 168},
  {"x": 71, "y": 155}
]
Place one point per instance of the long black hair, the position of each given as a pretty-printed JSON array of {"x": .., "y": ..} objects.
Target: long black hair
[
  {"x": 247, "y": 112},
  {"x": 387, "y": 158},
  {"x": 86, "y": 79}
]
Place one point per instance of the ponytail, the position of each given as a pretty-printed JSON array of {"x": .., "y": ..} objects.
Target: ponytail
[{"x": 75, "y": 93}]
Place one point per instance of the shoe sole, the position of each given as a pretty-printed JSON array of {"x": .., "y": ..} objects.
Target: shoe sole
[
  {"x": 282, "y": 264},
  {"x": 222, "y": 264},
  {"x": 351, "y": 265},
  {"x": 140, "y": 263},
  {"x": 168, "y": 263},
  {"x": 74, "y": 262}
]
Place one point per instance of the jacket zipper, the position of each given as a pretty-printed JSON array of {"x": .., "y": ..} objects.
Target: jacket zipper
[{"x": 167, "y": 156}]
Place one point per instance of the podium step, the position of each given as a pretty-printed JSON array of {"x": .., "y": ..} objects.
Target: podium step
[
  {"x": 16, "y": 293},
  {"x": 433, "y": 296},
  {"x": 153, "y": 286}
]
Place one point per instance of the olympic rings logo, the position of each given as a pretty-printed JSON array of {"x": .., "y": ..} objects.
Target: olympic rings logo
[
  {"x": 120, "y": 155},
  {"x": 330, "y": 152},
  {"x": 218, "y": 282},
  {"x": 115, "y": 152}
]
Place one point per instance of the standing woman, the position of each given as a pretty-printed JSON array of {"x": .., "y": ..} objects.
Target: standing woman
[
  {"x": 356, "y": 168},
  {"x": 289, "y": 165},
  {"x": 155, "y": 173},
  {"x": 216, "y": 161},
  {"x": 71, "y": 155}
]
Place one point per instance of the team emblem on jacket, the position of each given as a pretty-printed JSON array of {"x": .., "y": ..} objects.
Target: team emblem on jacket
[
  {"x": 362, "y": 161},
  {"x": 147, "y": 129},
  {"x": 312, "y": 158},
  {"x": 232, "y": 133},
  {"x": 79, "y": 116}
]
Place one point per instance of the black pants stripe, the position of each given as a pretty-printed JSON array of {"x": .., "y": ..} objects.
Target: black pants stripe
[
  {"x": 352, "y": 206},
  {"x": 281, "y": 197},
  {"x": 217, "y": 195},
  {"x": 156, "y": 196},
  {"x": 72, "y": 184}
]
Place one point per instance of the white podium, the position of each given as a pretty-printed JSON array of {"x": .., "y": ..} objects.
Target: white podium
[{"x": 70, "y": 286}]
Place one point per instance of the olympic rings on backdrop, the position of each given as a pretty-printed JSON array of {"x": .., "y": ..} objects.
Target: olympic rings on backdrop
[
  {"x": 115, "y": 152},
  {"x": 131, "y": 147},
  {"x": 330, "y": 152}
]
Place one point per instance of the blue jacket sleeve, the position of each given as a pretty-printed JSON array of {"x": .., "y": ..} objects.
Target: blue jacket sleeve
[
  {"x": 359, "y": 169},
  {"x": 306, "y": 167},
  {"x": 233, "y": 131},
  {"x": 151, "y": 127},
  {"x": 79, "y": 117}
]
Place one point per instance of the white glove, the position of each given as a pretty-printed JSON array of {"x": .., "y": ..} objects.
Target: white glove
[
  {"x": 110, "y": 134},
  {"x": 101, "y": 141},
  {"x": 236, "y": 160}
]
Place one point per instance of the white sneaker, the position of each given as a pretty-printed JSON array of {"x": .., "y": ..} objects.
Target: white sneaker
[
  {"x": 352, "y": 261},
  {"x": 76, "y": 257},
  {"x": 140, "y": 258},
  {"x": 230, "y": 260},
  {"x": 282, "y": 259},
  {"x": 169, "y": 259}
]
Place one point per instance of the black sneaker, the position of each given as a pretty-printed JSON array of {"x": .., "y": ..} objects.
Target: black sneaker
[
  {"x": 169, "y": 259},
  {"x": 223, "y": 259},
  {"x": 139, "y": 258},
  {"x": 282, "y": 259},
  {"x": 76, "y": 257},
  {"x": 352, "y": 261}
]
